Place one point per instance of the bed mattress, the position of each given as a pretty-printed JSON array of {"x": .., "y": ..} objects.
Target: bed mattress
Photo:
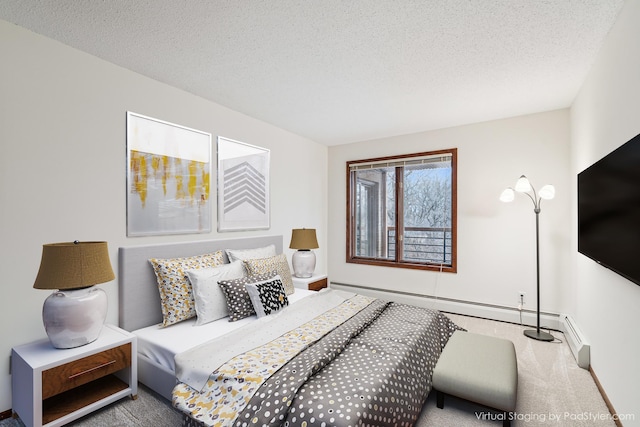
[{"x": 161, "y": 344}]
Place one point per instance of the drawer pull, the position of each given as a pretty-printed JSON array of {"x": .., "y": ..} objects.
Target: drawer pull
[{"x": 92, "y": 369}]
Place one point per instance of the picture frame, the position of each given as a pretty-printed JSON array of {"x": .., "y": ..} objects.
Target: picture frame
[
  {"x": 168, "y": 178},
  {"x": 243, "y": 186}
]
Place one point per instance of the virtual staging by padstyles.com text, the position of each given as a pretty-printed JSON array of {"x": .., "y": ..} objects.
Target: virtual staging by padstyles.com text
[{"x": 559, "y": 417}]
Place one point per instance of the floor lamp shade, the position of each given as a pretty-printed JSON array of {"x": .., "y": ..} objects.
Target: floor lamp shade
[
  {"x": 303, "y": 260},
  {"x": 74, "y": 313}
]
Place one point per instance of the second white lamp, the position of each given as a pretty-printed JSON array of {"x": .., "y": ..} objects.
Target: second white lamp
[{"x": 303, "y": 260}]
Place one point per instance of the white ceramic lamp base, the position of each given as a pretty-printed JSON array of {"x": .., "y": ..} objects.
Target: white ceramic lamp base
[
  {"x": 304, "y": 263},
  {"x": 73, "y": 318}
]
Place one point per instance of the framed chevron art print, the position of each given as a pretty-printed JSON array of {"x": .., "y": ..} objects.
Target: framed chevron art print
[{"x": 243, "y": 186}]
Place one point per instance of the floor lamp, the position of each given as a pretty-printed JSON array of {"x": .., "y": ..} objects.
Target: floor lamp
[{"x": 547, "y": 192}]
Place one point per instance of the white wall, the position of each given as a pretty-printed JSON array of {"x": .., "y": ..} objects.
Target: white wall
[
  {"x": 63, "y": 168},
  {"x": 496, "y": 241},
  {"x": 605, "y": 115}
]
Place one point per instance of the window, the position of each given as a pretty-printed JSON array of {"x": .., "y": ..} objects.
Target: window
[{"x": 402, "y": 211}]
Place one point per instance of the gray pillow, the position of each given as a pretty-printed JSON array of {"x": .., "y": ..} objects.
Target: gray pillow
[{"x": 238, "y": 301}]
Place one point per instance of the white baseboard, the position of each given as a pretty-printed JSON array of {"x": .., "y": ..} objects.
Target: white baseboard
[{"x": 469, "y": 308}]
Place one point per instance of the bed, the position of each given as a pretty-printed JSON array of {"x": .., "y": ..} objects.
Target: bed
[{"x": 326, "y": 358}]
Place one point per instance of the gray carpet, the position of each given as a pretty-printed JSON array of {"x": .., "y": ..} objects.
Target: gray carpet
[{"x": 552, "y": 391}]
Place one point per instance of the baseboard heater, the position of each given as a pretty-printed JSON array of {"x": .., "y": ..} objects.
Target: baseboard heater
[
  {"x": 575, "y": 339},
  {"x": 457, "y": 306}
]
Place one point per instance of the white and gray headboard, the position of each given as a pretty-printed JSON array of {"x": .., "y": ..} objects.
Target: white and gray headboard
[{"x": 138, "y": 294}]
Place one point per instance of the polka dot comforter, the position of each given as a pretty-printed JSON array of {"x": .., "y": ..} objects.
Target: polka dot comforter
[{"x": 372, "y": 369}]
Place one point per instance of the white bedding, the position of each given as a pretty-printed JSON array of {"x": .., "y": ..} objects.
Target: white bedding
[
  {"x": 161, "y": 345},
  {"x": 194, "y": 366}
]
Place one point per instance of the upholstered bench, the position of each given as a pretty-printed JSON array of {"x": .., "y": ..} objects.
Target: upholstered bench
[{"x": 478, "y": 368}]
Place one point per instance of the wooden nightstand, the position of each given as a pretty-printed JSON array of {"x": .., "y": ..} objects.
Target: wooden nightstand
[
  {"x": 313, "y": 283},
  {"x": 51, "y": 387}
]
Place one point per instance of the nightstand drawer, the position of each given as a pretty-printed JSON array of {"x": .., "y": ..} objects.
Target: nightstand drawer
[
  {"x": 313, "y": 283},
  {"x": 82, "y": 371},
  {"x": 317, "y": 285}
]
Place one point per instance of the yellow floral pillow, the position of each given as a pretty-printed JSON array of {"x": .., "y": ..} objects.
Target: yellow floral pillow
[
  {"x": 176, "y": 293},
  {"x": 277, "y": 264}
]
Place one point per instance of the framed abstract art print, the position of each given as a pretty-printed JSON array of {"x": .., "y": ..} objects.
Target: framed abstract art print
[{"x": 168, "y": 179}]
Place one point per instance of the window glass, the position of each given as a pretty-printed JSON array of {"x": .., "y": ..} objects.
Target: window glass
[
  {"x": 427, "y": 213},
  {"x": 374, "y": 206}
]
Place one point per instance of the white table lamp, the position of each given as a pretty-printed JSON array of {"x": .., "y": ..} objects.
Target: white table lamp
[
  {"x": 74, "y": 313},
  {"x": 303, "y": 260}
]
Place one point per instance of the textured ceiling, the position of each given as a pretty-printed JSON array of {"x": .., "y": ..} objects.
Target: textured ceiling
[{"x": 340, "y": 71}]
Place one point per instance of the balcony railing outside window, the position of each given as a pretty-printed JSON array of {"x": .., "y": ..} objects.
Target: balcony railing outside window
[{"x": 422, "y": 244}]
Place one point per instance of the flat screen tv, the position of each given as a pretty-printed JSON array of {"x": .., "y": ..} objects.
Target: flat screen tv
[{"x": 609, "y": 211}]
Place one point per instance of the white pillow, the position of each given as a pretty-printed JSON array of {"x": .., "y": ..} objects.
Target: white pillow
[
  {"x": 242, "y": 254},
  {"x": 210, "y": 301}
]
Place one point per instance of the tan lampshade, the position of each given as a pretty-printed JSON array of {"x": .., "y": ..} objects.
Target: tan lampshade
[
  {"x": 73, "y": 265},
  {"x": 303, "y": 238}
]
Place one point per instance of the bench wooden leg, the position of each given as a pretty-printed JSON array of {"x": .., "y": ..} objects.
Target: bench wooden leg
[
  {"x": 506, "y": 421},
  {"x": 439, "y": 399}
]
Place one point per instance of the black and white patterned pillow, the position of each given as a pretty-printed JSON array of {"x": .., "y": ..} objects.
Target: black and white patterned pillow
[
  {"x": 238, "y": 300},
  {"x": 267, "y": 296}
]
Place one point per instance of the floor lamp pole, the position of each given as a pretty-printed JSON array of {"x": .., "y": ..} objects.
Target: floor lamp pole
[{"x": 538, "y": 334}]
